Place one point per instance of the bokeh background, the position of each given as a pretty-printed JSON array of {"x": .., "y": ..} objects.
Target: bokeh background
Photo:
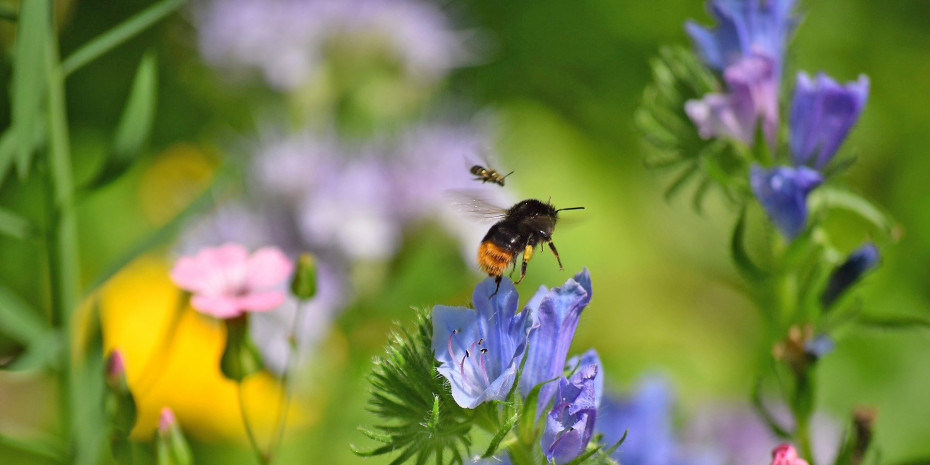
[{"x": 560, "y": 81}]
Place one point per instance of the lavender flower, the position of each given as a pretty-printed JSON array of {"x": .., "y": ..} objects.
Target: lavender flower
[
  {"x": 859, "y": 262},
  {"x": 555, "y": 313},
  {"x": 783, "y": 191},
  {"x": 289, "y": 40},
  {"x": 752, "y": 96},
  {"x": 822, "y": 113},
  {"x": 481, "y": 348},
  {"x": 745, "y": 27},
  {"x": 570, "y": 423}
]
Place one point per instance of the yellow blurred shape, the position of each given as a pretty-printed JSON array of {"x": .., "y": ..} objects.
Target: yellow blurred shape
[
  {"x": 138, "y": 307},
  {"x": 173, "y": 181}
]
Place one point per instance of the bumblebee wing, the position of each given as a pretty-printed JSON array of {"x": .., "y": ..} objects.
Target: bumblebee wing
[{"x": 476, "y": 204}]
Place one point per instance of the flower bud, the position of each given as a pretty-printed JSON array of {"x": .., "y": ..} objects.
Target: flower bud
[
  {"x": 171, "y": 446},
  {"x": 116, "y": 371},
  {"x": 785, "y": 454},
  {"x": 844, "y": 276},
  {"x": 304, "y": 283}
]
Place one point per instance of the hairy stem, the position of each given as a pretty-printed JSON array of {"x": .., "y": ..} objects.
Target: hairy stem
[
  {"x": 290, "y": 364},
  {"x": 253, "y": 442}
]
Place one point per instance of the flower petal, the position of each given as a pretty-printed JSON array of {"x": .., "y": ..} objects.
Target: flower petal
[
  {"x": 219, "y": 306},
  {"x": 822, "y": 114},
  {"x": 267, "y": 267},
  {"x": 783, "y": 191},
  {"x": 261, "y": 301},
  {"x": 556, "y": 319}
]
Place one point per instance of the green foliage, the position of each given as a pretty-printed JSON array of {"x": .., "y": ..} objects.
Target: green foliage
[
  {"x": 678, "y": 76},
  {"x": 135, "y": 124},
  {"x": 30, "y": 76},
  {"x": 421, "y": 420}
]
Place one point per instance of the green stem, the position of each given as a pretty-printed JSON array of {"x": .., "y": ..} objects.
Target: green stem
[
  {"x": 520, "y": 454},
  {"x": 62, "y": 234},
  {"x": 803, "y": 434},
  {"x": 253, "y": 442},
  {"x": 290, "y": 364}
]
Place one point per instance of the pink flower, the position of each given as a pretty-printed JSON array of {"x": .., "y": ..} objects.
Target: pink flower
[
  {"x": 785, "y": 454},
  {"x": 226, "y": 281}
]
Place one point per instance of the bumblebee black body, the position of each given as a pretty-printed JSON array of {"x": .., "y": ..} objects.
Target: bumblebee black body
[{"x": 525, "y": 225}]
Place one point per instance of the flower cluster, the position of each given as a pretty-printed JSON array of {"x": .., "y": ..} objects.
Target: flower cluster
[
  {"x": 481, "y": 349},
  {"x": 748, "y": 48},
  {"x": 289, "y": 41}
]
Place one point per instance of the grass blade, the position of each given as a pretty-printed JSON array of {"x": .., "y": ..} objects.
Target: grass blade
[
  {"x": 29, "y": 77},
  {"x": 119, "y": 34}
]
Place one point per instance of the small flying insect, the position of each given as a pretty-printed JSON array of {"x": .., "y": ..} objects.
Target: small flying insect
[
  {"x": 522, "y": 228},
  {"x": 488, "y": 175}
]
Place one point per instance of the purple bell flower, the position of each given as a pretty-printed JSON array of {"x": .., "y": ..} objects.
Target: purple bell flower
[
  {"x": 783, "y": 191},
  {"x": 744, "y": 28},
  {"x": 822, "y": 113},
  {"x": 859, "y": 262},
  {"x": 555, "y": 312},
  {"x": 570, "y": 423}
]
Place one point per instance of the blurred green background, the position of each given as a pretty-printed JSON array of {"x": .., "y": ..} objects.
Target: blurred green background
[{"x": 564, "y": 78}]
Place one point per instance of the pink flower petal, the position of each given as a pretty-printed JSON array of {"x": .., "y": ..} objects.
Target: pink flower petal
[
  {"x": 267, "y": 268},
  {"x": 261, "y": 301},
  {"x": 188, "y": 274},
  {"x": 218, "y": 306},
  {"x": 785, "y": 454}
]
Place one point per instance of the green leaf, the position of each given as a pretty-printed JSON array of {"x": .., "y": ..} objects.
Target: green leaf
[
  {"x": 19, "y": 320},
  {"x": 738, "y": 250},
  {"x": 894, "y": 323},
  {"x": 832, "y": 197},
  {"x": 15, "y": 226},
  {"x": 527, "y": 432},
  {"x": 419, "y": 417},
  {"x": 41, "y": 354},
  {"x": 499, "y": 436},
  {"x": 135, "y": 124},
  {"x": 119, "y": 34},
  {"x": 29, "y": 77}
]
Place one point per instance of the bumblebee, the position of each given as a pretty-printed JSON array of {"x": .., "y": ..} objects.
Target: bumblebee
[
  {"x": 488, "y": 175},
  {"x": 524, "y": 226}
]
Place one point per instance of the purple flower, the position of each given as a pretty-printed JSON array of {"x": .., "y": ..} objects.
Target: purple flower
[
  {"x": 822, "y": 113},
  {"x": 570, "y": 423},
  {"x": 555, "y": 312},
  {"x": 481, "y": 348},
  {"x": 289, "y": 40},
  {"x": 859, "y": 262},
  {"x": 783, "y": 191},
  {"x": 745, "y": 27},
  {"x": 646, "y": 417},
  {"x": 752, "y": 96}
]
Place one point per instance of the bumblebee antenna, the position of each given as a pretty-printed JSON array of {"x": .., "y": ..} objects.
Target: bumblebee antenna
[
  {"x": 570, "y": 208},
  {"x": 508, "y": 174}
]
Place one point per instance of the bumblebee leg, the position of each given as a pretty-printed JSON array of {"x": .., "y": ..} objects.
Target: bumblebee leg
[
  {"x": 527, "y": 256},
  {"x": 556, "y": 253},
  {"x": 497, "y": 281}
]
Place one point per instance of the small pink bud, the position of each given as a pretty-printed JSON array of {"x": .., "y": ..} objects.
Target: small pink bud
[
  {"x": 785, "y": 454},
  {"x": 166, "y": 420},
  {"x": 116, "y": 368}
]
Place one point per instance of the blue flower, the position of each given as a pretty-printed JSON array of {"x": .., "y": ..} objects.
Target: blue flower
[
  {"x": 744, "y": 27},
  {"x": 555, "y": 315},
  {"x": 819, "y": 346},
  {"x": 859, "y": 262},
  {"x": 822, "y": 113},
  {"x": 783, "y": 191},
  {"x": 646, "y": 416},
  {"x": 481, "y": 348},
  {"x": 570, "y": 423}
]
